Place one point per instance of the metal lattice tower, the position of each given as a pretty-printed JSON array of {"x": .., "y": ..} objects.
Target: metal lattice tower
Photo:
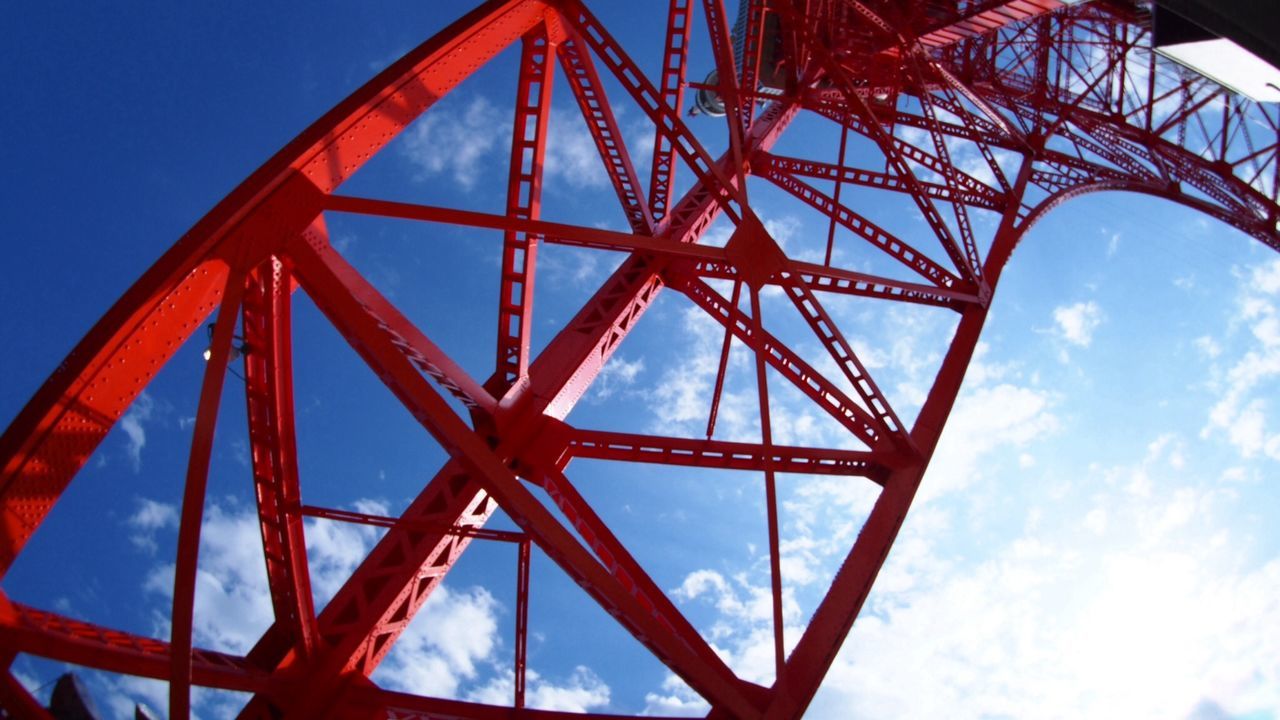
[{"x": 1058, "y": 100}]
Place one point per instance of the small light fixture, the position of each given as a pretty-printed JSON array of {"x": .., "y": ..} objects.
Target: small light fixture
[{"x": 238, "y": 347}]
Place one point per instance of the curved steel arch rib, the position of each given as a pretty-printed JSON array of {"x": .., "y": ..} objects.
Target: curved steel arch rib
[{"x": 1052, "y": 101}]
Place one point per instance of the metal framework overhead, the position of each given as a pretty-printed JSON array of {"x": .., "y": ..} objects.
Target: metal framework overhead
[{"x": 1056, "y": 100}]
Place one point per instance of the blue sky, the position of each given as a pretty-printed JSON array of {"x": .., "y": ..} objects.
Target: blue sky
[{"x": 1096, "y": 536}]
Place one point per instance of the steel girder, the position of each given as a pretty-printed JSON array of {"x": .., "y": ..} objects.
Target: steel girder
[{"x": 1056, "y": 101}]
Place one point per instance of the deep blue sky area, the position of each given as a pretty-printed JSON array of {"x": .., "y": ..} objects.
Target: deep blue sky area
[{"x": 1096, "y": 537}]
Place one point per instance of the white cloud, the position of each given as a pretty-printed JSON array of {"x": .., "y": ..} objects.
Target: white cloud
[
  {"x": 641, "y": 145},
  {"x": 457, "y": 142},
  {"x": 739, "y": 600},
  {"x": 559, "y": 266},
  {"x": 123, "y": 692},
  {"x": 823, "y": 515},
  {"x": 571, "y": 154},
  {"x": 1076, "y": 323},
  {"x": 150, "y": 517},
  {"x": 334, "y": 550},
  {"x": 1242, "y": 409},
  {"x": 985, "y": 418},
  {"x": 1156, "y": 623},
  {"x": 443, "y": 645},
  {"x": 1208, "y": 346},
  {"x": 618, "y": 375},
  {"x": 460, "y": 141},
  {"x": 1164, "y": 618},
  {"x": 675, "y": 699},
  {"x": 232, "y": 604},
  {"x": 1266, "y": 278},
  {"x": 681, "y": 401},
  {"x": 132, "y": 425},
  {"x": 743, "y": 632},
  {"x": 583, "y": 691}
]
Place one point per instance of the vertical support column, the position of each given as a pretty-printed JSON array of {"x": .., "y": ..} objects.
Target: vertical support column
[
  {"x": 718, "y": 390},
  {"x": 268, "y": 375},
  {"x": 727, "y": 69},
  {"x": 524, "y": 195},
  {"x": 675, "y": 59},
  {"x": 193, "y": 497},
  {"x": 771, "y": 494},
  {"x": 522, "y": 620},
  {"x": 831, "y": 228}
]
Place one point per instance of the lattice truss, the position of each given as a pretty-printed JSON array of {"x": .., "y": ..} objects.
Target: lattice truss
[{"x": 1043, "y": 101}]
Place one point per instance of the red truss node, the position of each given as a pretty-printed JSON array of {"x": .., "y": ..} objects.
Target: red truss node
[{"x": 1059, "y": 100}]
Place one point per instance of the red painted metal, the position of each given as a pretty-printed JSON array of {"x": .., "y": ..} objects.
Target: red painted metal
[
  {"x": 268, "y": 384},
  {"x": 770, "y": 493},
  {"x": 193, "y": 497},
  {"x": 522, "y": 622},
  {"x": 584, "y": 81},
  {"x": 675, "y": 58},
  {"x": 524, "y": 196},
  {"x": 1070, "y": 96}
]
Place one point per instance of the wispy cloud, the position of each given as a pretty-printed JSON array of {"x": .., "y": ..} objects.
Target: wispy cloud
[
  {"x": 1160, "y": 620},
  {"x": 147, "y": 520},
  {"x": 455, "y": 646},
  {"x": 465, "y": 139},
  {"x": 675, "y": 699},
  {"x": 444, "y": 645},
  {"x": 1242, "y": 412},
  {"x": 1077, "y": 322},
  {"x": 572, "y": 157},
  {"x": 134, "y": 429},
  {"x": 457, "y": 142},
  {"x": 583, "y": 691},
  {"x": 618, "y": 375}
]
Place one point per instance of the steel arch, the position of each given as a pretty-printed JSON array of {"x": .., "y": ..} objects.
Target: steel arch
[{"x": 1021, "y": 79}]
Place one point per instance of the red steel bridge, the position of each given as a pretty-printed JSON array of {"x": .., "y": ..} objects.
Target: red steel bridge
[{"x": 1056, "y": 100}]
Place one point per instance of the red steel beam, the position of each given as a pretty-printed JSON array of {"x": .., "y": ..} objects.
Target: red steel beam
[
  {"x": 614, "y": 556},
  {"x": 193, "y": 497},
  {"x": 985, "y": 17},
  {"x": 809, "y": 381},
  {"x": 584, "y": 81},
  {"x": 770, "y": 492},
  {"x": 820, "y": 278},
  {"x": 960, "y": 212},
  {"x": 675, "y": 61},
  {"x": 405, "y": 566},
  {"x": 268, "y": 385},
  {"x": 402, "y": 522},
  {"x": 29, "y": 630},
  {"x": 524, "y": 198},
  {"x": 718, "y": 32},
  {"x": 403, "y": 706},
  {"x": 725, "y": 455},
  {"x": 19, "y": 701},
  {"x": 723, "y": 367},
  {"x": 895, "y": 247},
  {"x": 911, "y": 152},
  {"x": 522, "y": 623},
  {"x": 668, "y": 121},
  {"x": 801, "y": 167},
  {"x": 330, "y": 281},
  {"x": 843, "y": 355},
  {"x": 70, "y": 415}
]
